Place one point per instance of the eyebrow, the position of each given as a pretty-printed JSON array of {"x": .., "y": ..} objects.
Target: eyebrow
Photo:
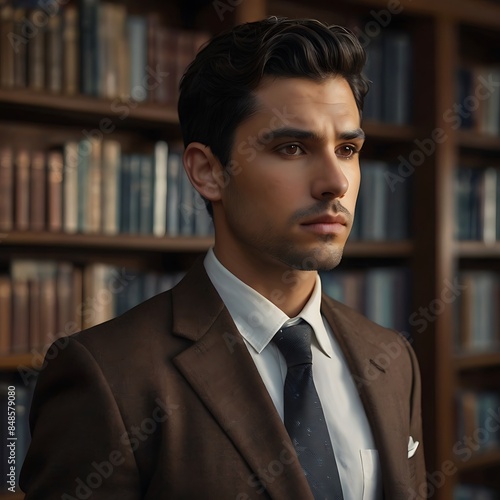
[{"x": 300, "y": 134}]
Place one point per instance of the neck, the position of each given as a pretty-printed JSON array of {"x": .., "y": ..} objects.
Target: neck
[{"x": 287, "y": 288}]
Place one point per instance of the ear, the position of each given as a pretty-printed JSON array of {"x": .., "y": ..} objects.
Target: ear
[{"x": 204, "y": 170}]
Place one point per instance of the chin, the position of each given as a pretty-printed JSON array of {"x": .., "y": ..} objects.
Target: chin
[{"x": 317, "y": 259}]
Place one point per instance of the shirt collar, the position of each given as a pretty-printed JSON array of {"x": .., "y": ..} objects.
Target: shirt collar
[{"x": 257, "y": 318}]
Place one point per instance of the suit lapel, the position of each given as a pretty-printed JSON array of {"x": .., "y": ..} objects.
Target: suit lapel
[
  {"x": 375, "y": 383},
  {"x": 221, "y": 371}
]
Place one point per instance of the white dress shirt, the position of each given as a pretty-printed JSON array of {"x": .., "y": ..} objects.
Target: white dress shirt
[{"x": 258, "y": 319}]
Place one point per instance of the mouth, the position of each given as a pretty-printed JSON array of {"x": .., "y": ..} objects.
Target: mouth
[{"x": 326, "y": 224}]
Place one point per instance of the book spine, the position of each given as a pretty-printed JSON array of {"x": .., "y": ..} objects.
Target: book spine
[
  {"x": 111, "y": 186},
  {"x": 160, "y": 189},
  {"x": 6, "y": 189},
  {"x": 55, "y": 190},
  {"x": 70, "y": 188},
  {"x": 22, "y": 190},
  {"x": 7, "y": 52},
  {"x": 36, "y": 55},
  {"x": 71, "y": 44},
  {"x": 54, "y": 55},
  {"x": 37, "y": 191},
  {"x": 138, "y": 36}
]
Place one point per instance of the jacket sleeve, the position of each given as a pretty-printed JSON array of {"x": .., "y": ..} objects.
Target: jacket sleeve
[{"x": 79, "y": 447}]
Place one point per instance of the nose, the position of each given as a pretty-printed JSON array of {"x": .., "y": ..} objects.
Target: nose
[{"x": 329, "y": 179}]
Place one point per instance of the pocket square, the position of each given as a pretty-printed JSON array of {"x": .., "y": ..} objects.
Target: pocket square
[{"x": 412, "y": 447}]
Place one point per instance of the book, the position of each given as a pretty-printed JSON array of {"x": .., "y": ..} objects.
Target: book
[
  {"x": 397, "y": 77},
  {"x": 5, "y": 313},
  {"x": 37, "y": 194},
  {"x": 55, "y": 190},
  {"x": 160, "y": 189},
  {"x": 6, "y": 54},
  {"x": 54, "y": 55},
  {"x": 173, "y": 175},
  {"x": 111, "y": 174},
  {"x": 70, "y": 188},
  {"x": 6, "y": 189},
  {"x": 71, "y": 51},
  {"x": 22, "y": 190},
  {"x": 89, "y": 73},
  {"x": 37, "y": 53},
  {"x": 146, "y": 195},
  {"x": 137, "y": 33},
  {"x": 20, "y": 49}
]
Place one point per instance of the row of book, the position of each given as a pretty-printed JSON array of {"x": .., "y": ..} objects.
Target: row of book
[
  {"x": 43, "y": 300},
  {"x": 383, "y": 206},
  {"x": 477, "y": 204},
  {"x": 478, "y": 106},
  {"x": 95, "y": 48},
  {"x": 92, "y": 187},
  {"x": 381, "y": 294},
  {"x": 477, "y": 426},
  {"x": 389, "y": 68},
  {"x": 476, "y": 314},
  {"x": 12, "y": 455}
]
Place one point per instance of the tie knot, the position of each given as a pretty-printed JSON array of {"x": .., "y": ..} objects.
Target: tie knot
[{"x": 294, "y": 342}]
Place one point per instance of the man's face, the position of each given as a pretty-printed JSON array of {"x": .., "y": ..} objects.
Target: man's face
[{"x": 295, "y": 180}]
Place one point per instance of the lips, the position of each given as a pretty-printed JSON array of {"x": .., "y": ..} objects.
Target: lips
[
  {"x": 326, "y": 224},
  {"x": 327, "y": 219}
]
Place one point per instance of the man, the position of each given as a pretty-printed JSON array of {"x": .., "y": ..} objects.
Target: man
[{"x": 186, "y": 396}]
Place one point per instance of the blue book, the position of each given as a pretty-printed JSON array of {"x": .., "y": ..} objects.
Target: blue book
[
  {"x": 125, "y": 194},
  {"x": 137, "y": 30},
  {"x": 134, "y": 193},
  {"x": 174, "y": 167},
  {"x": 89, "y": 73},
  {"x": 397, "y": 78}
]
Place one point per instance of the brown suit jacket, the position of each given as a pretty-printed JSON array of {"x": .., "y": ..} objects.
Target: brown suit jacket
[{"x": 165, "y": 402}]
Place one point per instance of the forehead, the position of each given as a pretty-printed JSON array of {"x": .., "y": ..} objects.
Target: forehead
[{"x": 305, "y": 102}]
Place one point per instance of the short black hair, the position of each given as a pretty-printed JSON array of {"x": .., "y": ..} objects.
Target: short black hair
[{"x": 216, "y": 91}]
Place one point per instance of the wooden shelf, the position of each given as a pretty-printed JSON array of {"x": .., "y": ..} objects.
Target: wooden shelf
[
  {"x": 475, "y": 140},
  {"x": 172, "y": 244},
  {"x": 11, "y": 362},
  {"x": 473, "y": 361},
  {"x": 477, "y": 249},
  {"x": 490, "y": 458},
  {"x": 12, "y": 496},
  {"x": 480, "y": 12},
  {"x": 82, "y": 106},
  {"x": 99, "y": 241}
]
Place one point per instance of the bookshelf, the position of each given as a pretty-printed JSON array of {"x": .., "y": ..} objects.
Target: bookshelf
[{"x": 441, "y": 33}]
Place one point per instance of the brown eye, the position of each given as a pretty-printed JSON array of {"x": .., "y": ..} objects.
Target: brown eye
[
  {"x": 346, "y": 151},
  {"x": 291, "y": 150}
]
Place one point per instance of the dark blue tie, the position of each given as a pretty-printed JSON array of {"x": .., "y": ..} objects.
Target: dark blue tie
[{"x": 304, "y": 417}]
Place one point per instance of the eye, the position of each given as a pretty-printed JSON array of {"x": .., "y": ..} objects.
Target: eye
[
  {"x": 291, "y": 150},
  {"x": 347, "y": 151}
]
